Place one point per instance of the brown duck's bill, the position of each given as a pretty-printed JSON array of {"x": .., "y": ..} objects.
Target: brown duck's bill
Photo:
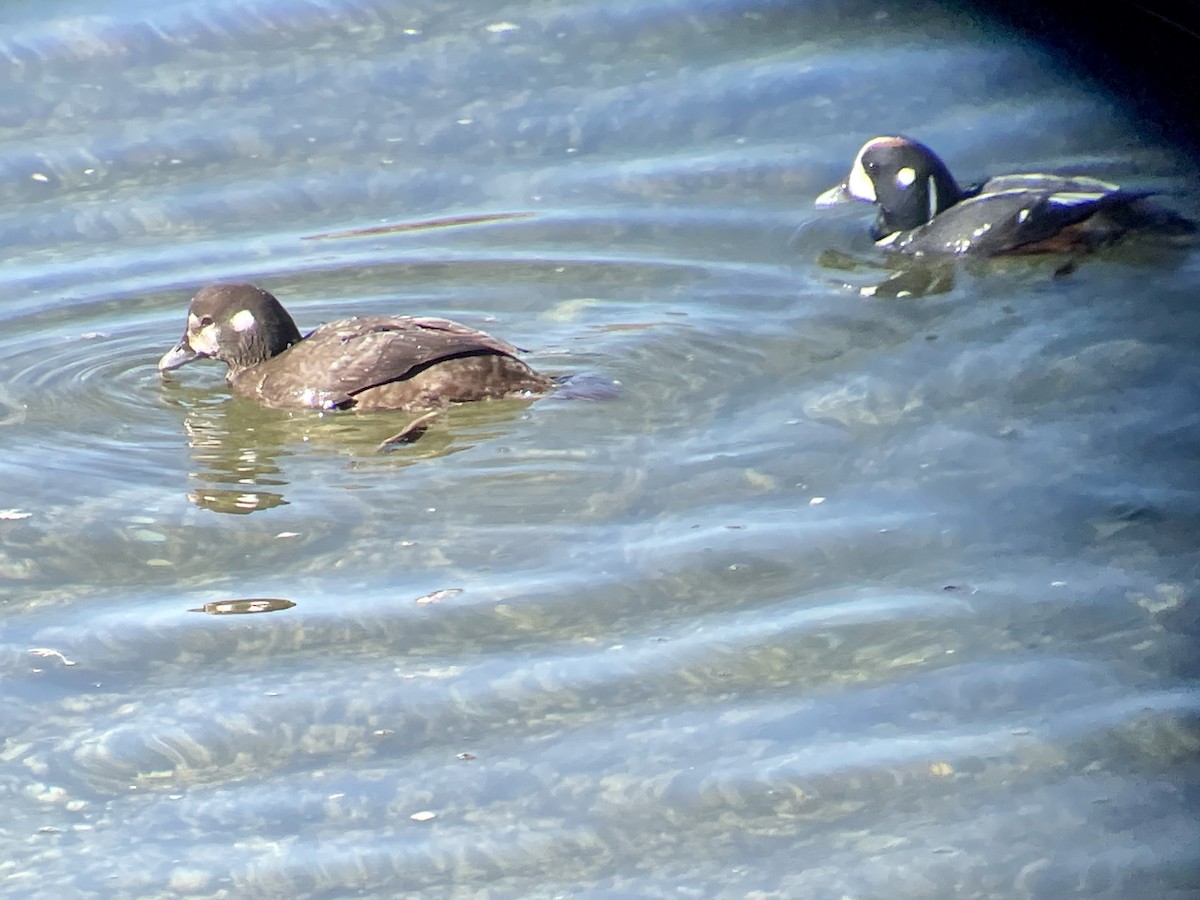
[
  {"x": 179, "y": 355},
  {"x": 835, "y": 196}
]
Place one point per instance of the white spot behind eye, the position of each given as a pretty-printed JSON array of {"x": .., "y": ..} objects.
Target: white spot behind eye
[
  {"x": 243, "y": 320},
  {"x": 933, "y": 198},
  {"x": 906, "y": 177}
]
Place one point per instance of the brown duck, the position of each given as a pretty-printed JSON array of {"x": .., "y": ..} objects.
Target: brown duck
[{"x": 367, "y": 362}]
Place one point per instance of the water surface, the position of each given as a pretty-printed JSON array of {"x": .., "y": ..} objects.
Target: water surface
[{"x": 842, "y": 595}]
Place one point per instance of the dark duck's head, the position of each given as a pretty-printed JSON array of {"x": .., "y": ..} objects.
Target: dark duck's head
[
  {"x": 238, "y": 324},
  {"x": 903, "y": 177}
]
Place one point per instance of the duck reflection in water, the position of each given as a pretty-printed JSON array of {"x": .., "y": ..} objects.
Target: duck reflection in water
[{"x": 241, "y": 452}]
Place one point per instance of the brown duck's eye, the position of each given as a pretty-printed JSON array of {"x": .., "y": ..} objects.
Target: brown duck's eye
[{"x": 205, "y": 320}]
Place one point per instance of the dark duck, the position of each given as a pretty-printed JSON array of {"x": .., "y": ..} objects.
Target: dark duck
[
  {"x": 923, "y": 210},
  {"x": 365, "y": 363}
]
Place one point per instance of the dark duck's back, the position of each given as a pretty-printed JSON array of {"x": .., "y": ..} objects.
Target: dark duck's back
[
  {"x": 923, "y": 210},
  {"x": 367, "y": 362}
]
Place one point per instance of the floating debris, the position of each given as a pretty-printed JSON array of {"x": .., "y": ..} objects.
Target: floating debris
[
  {"x": 446, "y": 222},
  {"x": 226, "y": 500},
  {"x": 243, "y": 607},
  {"x": 424, "y": 816},
  {"x": 438, "y": 596},
  {"x": 49, "y": 653},
  {"x": 410, "y": 432},
  {"x": 12, "y": 515}
]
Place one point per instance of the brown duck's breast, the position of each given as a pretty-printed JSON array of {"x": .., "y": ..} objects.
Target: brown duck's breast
[{"x": 389, "y": 362}]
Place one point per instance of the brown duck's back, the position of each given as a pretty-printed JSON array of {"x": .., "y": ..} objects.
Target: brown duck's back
[{"x": 390, "y": 362}]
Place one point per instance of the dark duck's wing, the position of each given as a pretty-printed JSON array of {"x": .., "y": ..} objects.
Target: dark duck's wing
[{"x": 1019, "y": 220}]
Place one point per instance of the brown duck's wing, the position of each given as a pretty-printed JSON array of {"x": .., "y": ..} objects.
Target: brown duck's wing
[{"x": 343, "y": 359}]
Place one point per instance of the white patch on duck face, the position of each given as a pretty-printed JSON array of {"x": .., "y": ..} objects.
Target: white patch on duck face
[
  {"x": 933, "y": 198},
  {"x": 859, "y": 184},
  {"x": 243, "y": 320},
  {"x": 905, "y": 177},
  {"x": 1023, "y": 217},
  {"x": 203, "y": 341}
]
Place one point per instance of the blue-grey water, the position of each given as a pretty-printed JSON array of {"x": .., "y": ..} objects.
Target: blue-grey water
[{"x": 843, "y": 594}]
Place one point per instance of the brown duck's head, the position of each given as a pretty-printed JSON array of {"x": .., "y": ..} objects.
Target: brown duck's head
[{"x": 239, "y": 324}]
